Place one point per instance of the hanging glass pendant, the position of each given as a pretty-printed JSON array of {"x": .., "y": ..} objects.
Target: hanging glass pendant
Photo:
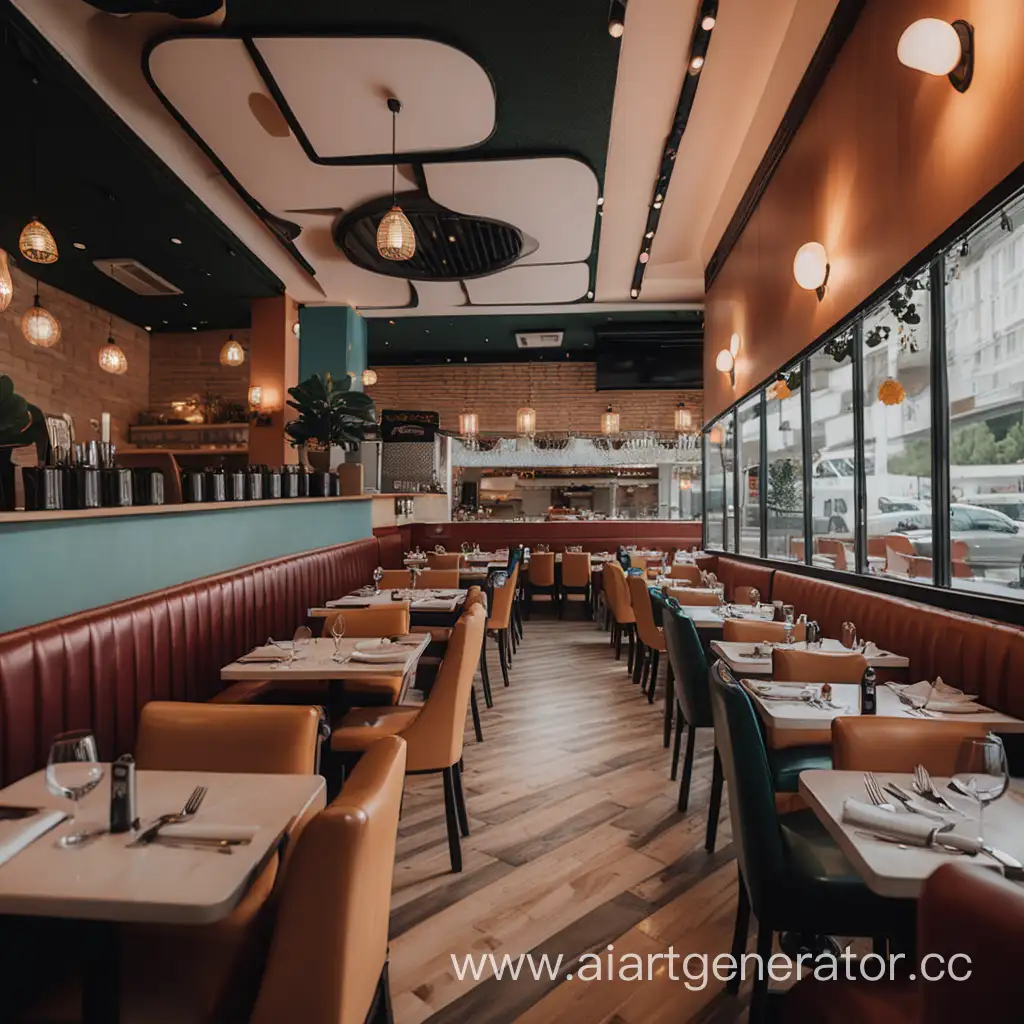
[
  {"x": 526, "y": 422},
  {"x": 37, "y": 244},
  {"x": 369, "y": 378},
  {"x": 469, "y": 424},
  {"x": 396, "y": 239},
  {"x": 6, "y": 284},
  {"x": 112, "y": 359},
  {"x": 684, "y": 419},
  {"x": 232, "y": 354},
  {"x": 609, "y": 422},
  {"x": 40, "y": 326}
]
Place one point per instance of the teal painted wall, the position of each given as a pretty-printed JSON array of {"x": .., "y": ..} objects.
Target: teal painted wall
[
  {"x": 332, "y": 339},
  {"x": 58, "y": 567}
]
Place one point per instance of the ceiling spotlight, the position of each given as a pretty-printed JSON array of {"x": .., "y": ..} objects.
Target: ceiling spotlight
[
  {"x": 811, "y": 268},
  {"x": 590, "y": 295},
  {"x": 634, "y": 293},
  {"x": 175, "y": 241},
  {"x": 659, "y": 197},
  {"x": 657, "y": 205},
  {"x": 148, "y": 327},
  {"x": 707, "y": 22},
  {"x": 392, "y": 322},
  {"x": 696, "y": 63},
  {"x": 451, "y": 238},
  {"x": 617, "y": 18},
  {"x": 650, "y": 234},
  {"x": 644, "y": 257},
  {"x": 78, "y": 245},
  {"x": 600, "y": 200},
  {"x": 939, "y": 48}
]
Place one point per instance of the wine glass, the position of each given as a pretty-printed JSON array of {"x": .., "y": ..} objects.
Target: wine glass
[
  {"x": 338, "y": 633},
  {"x": 302, "y": 639},
  {"x": 755, "y": 598},
  {"x": 73, "y": 771},
  {"x": 981, "y": 773}
]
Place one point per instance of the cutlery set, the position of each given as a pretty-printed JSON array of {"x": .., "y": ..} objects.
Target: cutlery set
[{"x": 187, "y": 812}]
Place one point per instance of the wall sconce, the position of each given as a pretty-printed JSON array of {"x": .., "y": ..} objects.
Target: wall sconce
[
  {"x": 939, "y": 48},
  {"x": 258, "y": 416},
  {"x": 726, "y": 359},
  {"x": 811, "y": 268}
]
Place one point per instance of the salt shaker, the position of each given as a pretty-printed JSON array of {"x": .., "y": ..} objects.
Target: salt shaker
[{"x": 123, "y": 816}]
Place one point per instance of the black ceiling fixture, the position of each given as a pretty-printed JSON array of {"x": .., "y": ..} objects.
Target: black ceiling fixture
[
  {"x": 699, "y": 43},
  {"x": 617, "y": 18},
  {"x": 177, "y": 8},
  {"x": 449, "y": 246}
]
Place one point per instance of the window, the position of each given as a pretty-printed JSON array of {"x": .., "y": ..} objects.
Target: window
[
  {"x": 714, "y": 490},
  {"x": 832, "y": 451},
  {"x": 784, "y": 484},
  {"x": 729, "y": 478},
  {"x": 749, "y": 498},
  {"x": 896, "y": 353},
  {"x": 986, "y": 435}
]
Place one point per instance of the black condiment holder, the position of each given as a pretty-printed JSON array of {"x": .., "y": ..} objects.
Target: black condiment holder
[
  {"x": 116, "y": 487},
  {"x": 193, "y": 486},
  {"x": 44, "y": 488},
  {"x": 147, "y": 487},
  {"x": 236, "y": 485}
]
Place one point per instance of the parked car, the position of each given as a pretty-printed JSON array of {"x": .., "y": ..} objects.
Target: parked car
[
  {"x": 899, "y": 515},
  {"x": 995, "y": 543},
  {"x": 1011, "y": 505}
]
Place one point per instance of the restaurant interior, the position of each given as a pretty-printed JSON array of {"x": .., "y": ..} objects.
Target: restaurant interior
[{"x": 511, "y": 511}]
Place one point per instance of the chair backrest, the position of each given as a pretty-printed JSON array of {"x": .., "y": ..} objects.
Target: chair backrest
[
  {"x": 640, "y": 598},
  {"x": 330, "y": 939},
  {"x": 501, "y": 601},
  {"x": 870, "y": 743},
  {"x": 475, "y": 595},
  {"x": 435, "y": 738},
  {"x": 693, "y": 597},
  {"x": 637, "y": 561},
  {"x": 441, "y": 579},
  {"x": 835, "y": 548},
  {"x": 752, "y": 631},
  {"x": 898, "y": 552},
  {"x": 542, "y": 569},
  {"x": 377, "y": 620},
  {"x": 690, "y": 573},
  {"x": 446, "y": 561},
  {"x": 689, "y": 665},
  {"x": 576, "y": 569},
  {"x": 396, "y": 579},
  {"x": 797, "y": 549},
  {"x": 755, "y": 823},
  {"x": 617, "y": 593},
  {"x": 817, "y": 666},
  {"x": 177, "y": 736}
]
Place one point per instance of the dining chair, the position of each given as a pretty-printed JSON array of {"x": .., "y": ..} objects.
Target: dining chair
[
  {"x": 964, "y": 910},
  {"x": 623, "y": 619},
  {"x": 755, "y": 631},
  {"x": 434, "y": 731},
  {"x": 899, "y": 549},
  {"x": 500, "y": 623},
  {"x": 650, "y": 639},
  {"x": 681, "y": 571},
  {"x": 817, "y": 666},
  {"x": 637, "y": 561},
  {"x": 449, "y": 560},
  {"x": 692, "y": 710},
  {"x": 792, "y": 874},
  {"x": 576, "y": 571},
  {"x": 744, "y": 594},
  {"x": 396, "y": 579},
  {"x": 515, "y": 557},
  {"x": 693, "y": 597},
  {"x": 540, "y": 580},
  {"x": 475, "y": 596},
  {"x": 438, "y": 579},
  {"x": 328, "y": 956},
  {"x": 882, "y": 744},
  {"x": 391, "y": 619}
]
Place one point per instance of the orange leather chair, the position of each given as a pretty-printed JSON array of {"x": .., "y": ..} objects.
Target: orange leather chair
[
  {"x": 751, "y": 631},
  {"x": 835, "y": 548},
  {"x": 965, "y": 910},
  {"x": 500, "y": 622},
  {"x": 576, "y": 571},
  {"x": 623, "y": 620},
  {"x": 817, "y": 666},
  {"x": 692, "y": 597},
  {"x": 540, "y": 579},
  {"x": 689, "y": 573},
  {"x": 797, "y": 549},
  {"x": 435, "y": 732},
  {"x": 638, "y": 561},
  {"x": 439, "y": 579},
  {"x": 870, "y": 743},
  {"x": 446, "y": 561},
  {"x": 396, "y": 579},
  {"x": 650, "y": 638},
  {"x": 378, "y": 620},
  {"x": 898, "y": 552}
]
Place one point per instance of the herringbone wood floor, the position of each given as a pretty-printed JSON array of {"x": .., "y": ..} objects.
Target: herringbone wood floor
[{"x": 576, "y": 844}]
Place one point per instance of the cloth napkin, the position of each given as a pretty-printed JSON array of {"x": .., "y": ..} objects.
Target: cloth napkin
[
  {"x": 382, "y": 657},
  {"x": 265, "y": 654},
  {"x": 944, "y": 698},
  {"x": 872, "y": 650},
  {"x": 17, "y": 833},
  {"x": 442, "y": 604},
  {"x": 912, "y": 829},
  {"x": 191, "y": 830}
]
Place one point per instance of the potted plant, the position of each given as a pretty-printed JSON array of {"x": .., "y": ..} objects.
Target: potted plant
[
  {"x": 21, "y": 424},
  {"x": 331, "y": 418}
]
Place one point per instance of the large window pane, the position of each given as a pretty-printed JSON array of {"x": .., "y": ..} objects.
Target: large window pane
[
  {"x": 985, "y": 366},
  {"x": 714, "y": 485},
  {"x": 729, "y": 476},
  {"x": 833, "y": 471},
  {"x": 897, "y": 431},
  {"x": 784, "y": 486},
  {"x": 748, "y": 501}
]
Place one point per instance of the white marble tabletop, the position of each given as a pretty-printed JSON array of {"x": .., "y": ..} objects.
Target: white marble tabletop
[
  {"x": 708, "y": 617},
  {"x": 419, "y": 599},
  {"x": 741, "y": 659},
  {"x": 893, "y": 870},
  {"x": 107, "y": 879}
]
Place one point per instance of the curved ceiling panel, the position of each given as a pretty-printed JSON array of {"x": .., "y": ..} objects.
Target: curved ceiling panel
[
  {"x": 531, "y": 284},
  {"x": 551, "y": 199},
  {"x": 337, "y": 88}
]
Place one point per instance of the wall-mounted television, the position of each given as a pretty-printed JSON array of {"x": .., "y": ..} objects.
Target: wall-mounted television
[{"x": 651, "y": 360}]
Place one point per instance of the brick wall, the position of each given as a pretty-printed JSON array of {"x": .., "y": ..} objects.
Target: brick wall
[
  {"x": 564, "y": 396},
  {"x": 185, "y": 365},
  {"x": 67, "y": 377}
]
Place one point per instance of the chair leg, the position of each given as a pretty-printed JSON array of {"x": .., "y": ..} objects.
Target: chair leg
[
  {"x": 759, "y": 998},
  {"x": 617, "y": 640},
  {"x": 485, "y": 676},
  {"x": 476, "y": 714},
  {"x": 684, "y": 782},
  {"x": 739, "y": 934},
  {"x": 652, "y": 685},
  {"x": 460, "y": 800},
  {"x": 675, "y": 746},
  {"x": 452, "y": 820},
  {"x": 714, "y": 804},
  {"x": 631, "y": 657},
  {"x": 513, "y": 637},
  {"x": 517, "y": 614},
  {"x": 670, "y": 702},
  {"x": 503, "y": 654},
  {"x": 381, "y": 1012}
]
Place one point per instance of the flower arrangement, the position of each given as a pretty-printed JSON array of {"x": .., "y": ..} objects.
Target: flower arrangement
[{"x": 891, "y": 392}]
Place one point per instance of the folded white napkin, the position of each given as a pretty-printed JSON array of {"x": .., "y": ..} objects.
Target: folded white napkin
[
  {"x": 872, "y": 650},
  {"x": 944, "y": 698},
  {"x": 17, "y": 833},
  {"x": 393, "y": 657},
  {"x": 265, "y": 654},
  {"x": 191, "y": 830},
  {"x": 912, "y": 829},
  {"x": 442, "y": 604}
]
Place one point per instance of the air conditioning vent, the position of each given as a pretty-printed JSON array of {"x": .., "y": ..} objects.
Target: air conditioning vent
[
  {"x": 540, "y": 339},
  {"x": 135, "y": 277}
]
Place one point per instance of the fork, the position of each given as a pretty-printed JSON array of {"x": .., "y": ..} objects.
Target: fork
[
  {"x": 192, "y": 804},
  {"x": 924, "y": 786},
  {"x": 875, "y": 794}
]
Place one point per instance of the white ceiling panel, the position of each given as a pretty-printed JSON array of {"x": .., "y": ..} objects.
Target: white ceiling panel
[
  {"x": 531, "y": 284},
  {"x": 337, "y": 89}
]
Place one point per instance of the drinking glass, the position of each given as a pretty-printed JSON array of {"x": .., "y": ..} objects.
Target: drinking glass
[
  {"x": 788, "y": 613},
  {"x": 981, "y": 772},
  {"x": 73, "y": 771},
  {"x": 755, "y": 597},
  {"x": 338, "y": 633},
  {"x": 302, "y": 639}
]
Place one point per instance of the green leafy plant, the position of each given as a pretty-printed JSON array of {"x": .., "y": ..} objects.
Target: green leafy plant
[
  {"x": 330, "y": 413},
  {"x": 785, "y": 487}
]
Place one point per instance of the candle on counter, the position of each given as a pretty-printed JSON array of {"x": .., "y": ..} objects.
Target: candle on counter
[{"x": 105, "y": 427}]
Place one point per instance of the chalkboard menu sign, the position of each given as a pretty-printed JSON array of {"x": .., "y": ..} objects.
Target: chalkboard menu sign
[{"x": 408, "y": 425}]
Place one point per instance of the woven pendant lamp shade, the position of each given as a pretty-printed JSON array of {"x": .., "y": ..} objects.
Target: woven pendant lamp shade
[
  {"x": 396, "y": 239},
  {"x": 232, "y": 354},
  {"x": 112, "y": 359},
  {"x": 40, "y": 327},
  {"x": 37, "y": 244},
  {"x": 6, "y": 284}
]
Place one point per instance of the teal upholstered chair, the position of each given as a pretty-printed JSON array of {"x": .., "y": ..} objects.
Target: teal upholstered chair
[{"x": 792, "y": 875}]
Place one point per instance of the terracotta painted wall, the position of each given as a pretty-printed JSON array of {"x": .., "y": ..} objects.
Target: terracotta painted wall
[
  {"x": 184, "y": 365},
  {"x": 886, "y": 160}
]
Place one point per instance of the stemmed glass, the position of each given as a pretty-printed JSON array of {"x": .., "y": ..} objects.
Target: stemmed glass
[
  {"x": 302, "y": 639},
  {"x": 73, "y": 771},
  {"x": 981, "y": 773},
  {"x": 755, "y": 598},
  {"x": 338, "y": 633}
]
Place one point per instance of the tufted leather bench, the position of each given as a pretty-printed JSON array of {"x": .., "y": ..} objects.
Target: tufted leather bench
[
  {"x": 733, "y": 574},
  {"x": 593, "y": 535},
  {"x": 394, "y": 541},
  {"x": 96, "y": 669}
]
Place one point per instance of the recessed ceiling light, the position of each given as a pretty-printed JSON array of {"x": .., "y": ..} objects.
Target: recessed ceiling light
[
  {"x": 148, "y": 328},
  {"x": 659, "y": 197},
  {"x": 184, "y": 305},
  {"x": 657, "y": 206},
  {"x": 600, "y": 200},
  {"x": 644, "y": 257},
  {"x": 590, "y": 295},
  {"x": 78, "y": 245},
  {"x": 633, "y": 293},
  {"x": 707, "y": 22},
  {"x": 392, "y": 322},
  {"x": 617, "y": 19},
  {"x": 697, "y": 63},
  {"x": 650, "y": 234},
  {"x": 195, "y": 328},
  {"x": 165, "y": 321},
  {"x": 451, "y": 238},
  {"x": 175, "y": 241}
]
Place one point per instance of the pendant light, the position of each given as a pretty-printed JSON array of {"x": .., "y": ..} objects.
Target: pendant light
[
  {"x": 469, "y": 424},
  {"x": 6, "y": 284},
  {"x": 39, "y": 326},
  {"x": 111, "y": 358},
  {"x": 369, "y": 378},
  {"x": 36, "y": 243},
  {"x": 232, "y": 354},
  {"x": 396, "y": 239},
  {"x": 609, "y": 422},
  {"x": 526, "y": 417},
  {"x": 684, "y": 419}
]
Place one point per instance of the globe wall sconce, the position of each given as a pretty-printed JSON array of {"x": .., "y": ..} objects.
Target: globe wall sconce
[
  {"x": 811, "y": 268},
  {"x": 939, "y": 48},
  {"x": 725, "y": 361}
]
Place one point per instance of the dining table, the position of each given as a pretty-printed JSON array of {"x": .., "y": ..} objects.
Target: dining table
[
  {"x": 899, "y": 870},
  {"x": 755, "y": 659},
  {"x": 708, "y": 617},
  {"x": 420, "y": 599},
  {"x": 108, "y": 882}
]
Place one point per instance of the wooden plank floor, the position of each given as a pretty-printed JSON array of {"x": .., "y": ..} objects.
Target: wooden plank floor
[{"x": 576, "y": 844}]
